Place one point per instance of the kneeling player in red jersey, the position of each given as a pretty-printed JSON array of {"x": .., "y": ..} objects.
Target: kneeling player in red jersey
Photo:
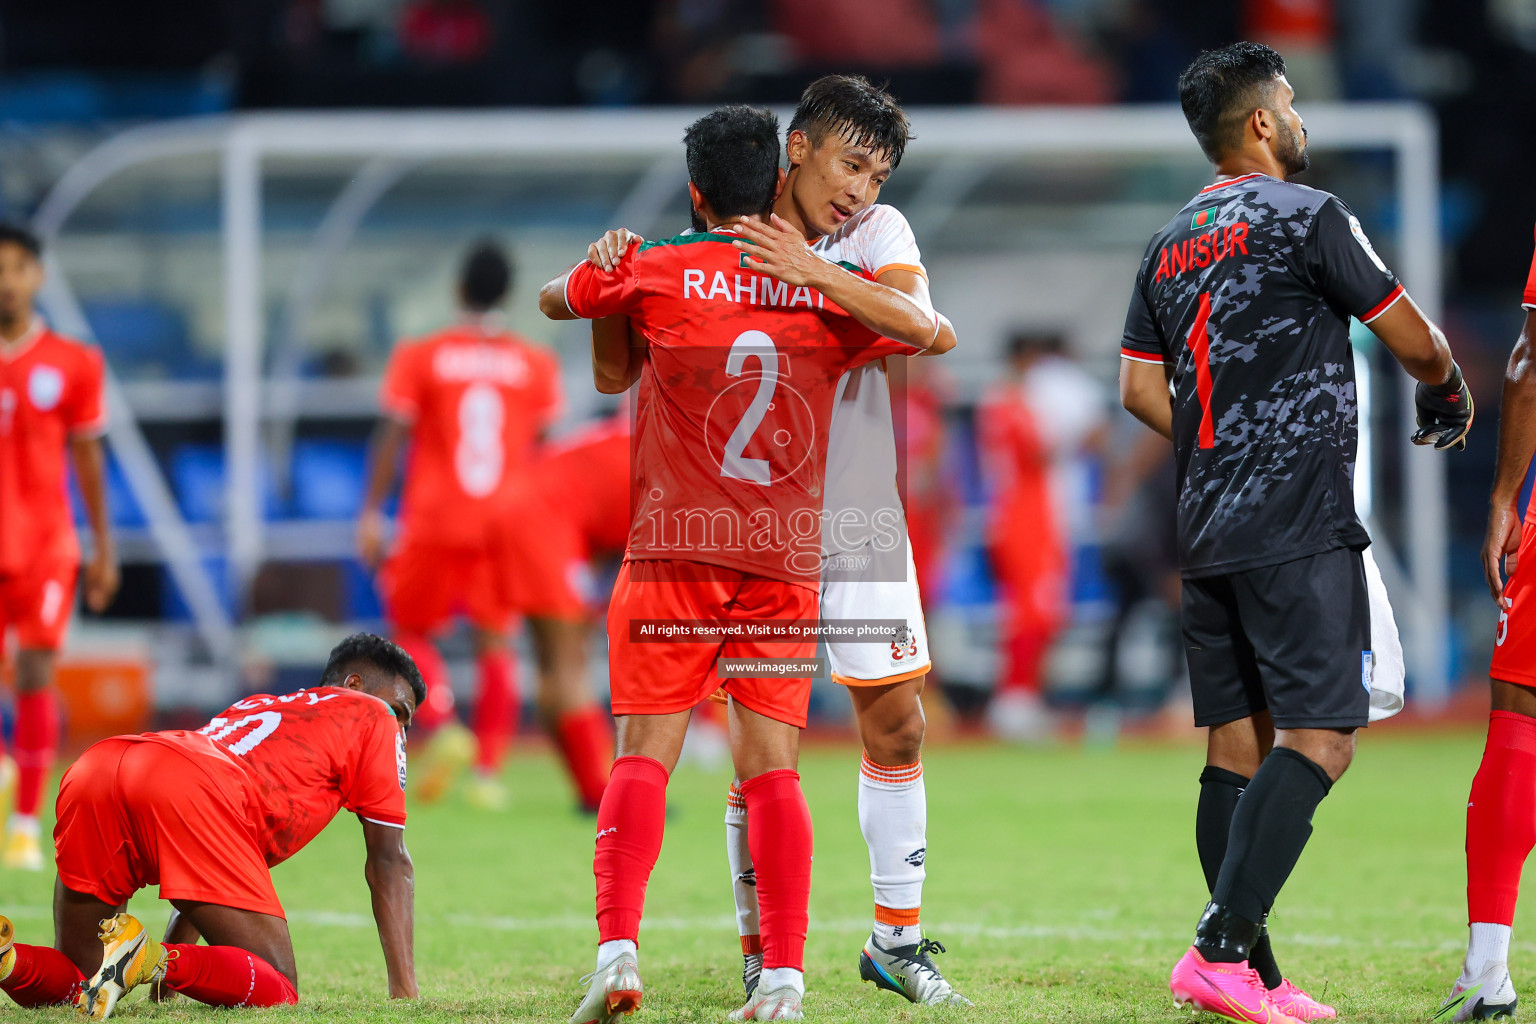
[
  {"x": 205, "y": 815},
  {"x": 575, "y": 511},
  {"x": 737, "y": 386},
  {"x": 1501, "y": 812}
]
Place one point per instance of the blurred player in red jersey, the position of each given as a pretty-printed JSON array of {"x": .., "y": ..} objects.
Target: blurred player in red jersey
[
  {"x": 206, "y": 815},
  {"x": 729, "y": 469},
  {"x": 573, "y": 513},
  {"x": 846, "y": 138},
  {"x": 50, "y": 403},
  {"x": 1501, "y": 812},
  {"x": 471, "y": 401},
  {"x": 1026, "y": 542}
]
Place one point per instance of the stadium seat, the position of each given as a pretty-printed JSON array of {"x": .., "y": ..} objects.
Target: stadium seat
[
  {"x": 121, "y": 504},
  {"x": 328, "y": 478},
  {"x": 144, "y": 338},
  {"x": 197, "y": 477}
]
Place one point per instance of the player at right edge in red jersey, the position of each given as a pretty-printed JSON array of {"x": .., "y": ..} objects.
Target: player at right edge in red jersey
[
  {"x": 1501, "y": 811},
  {"x": 50, "y": 404},
  {"x": 737, "y": 374},
  {"x": 206, "y": 815}
]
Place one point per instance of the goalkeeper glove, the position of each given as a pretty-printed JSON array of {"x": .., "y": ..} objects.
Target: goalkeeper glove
[{"x": 1445, "y": 412}]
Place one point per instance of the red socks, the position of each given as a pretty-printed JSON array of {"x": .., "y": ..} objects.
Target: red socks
[
  {"x": 37, "y": 737},
  {"x": 496, "y": 710},
  {"x": 439, "y": 706},
  {"x": 42, "y": 976},
  {"x": 226, "y": 976},
  {"x": 585, "y": 739},
  {"x": 779, "y": 837},
  {"x": 1501, "y": 818},
  {"x": 630, "y": 823}
]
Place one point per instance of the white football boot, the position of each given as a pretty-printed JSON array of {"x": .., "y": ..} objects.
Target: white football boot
[
  {"x": 910, "y": 972},
  {"x": 613, "y": 992},
  {"x": 1489, "y": 995},
  {"x": 782, "y": 1003}
]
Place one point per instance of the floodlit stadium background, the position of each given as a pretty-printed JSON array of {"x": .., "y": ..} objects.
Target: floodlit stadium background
[{"x": 247, "y": 204}]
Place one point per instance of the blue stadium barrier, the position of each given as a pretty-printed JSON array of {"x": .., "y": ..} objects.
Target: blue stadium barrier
[{"x": 146, "y": 338}]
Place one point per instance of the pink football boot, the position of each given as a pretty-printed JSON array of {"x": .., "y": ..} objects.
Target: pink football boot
[
  {"x": 1233, "y": 992},
  {"x": 1292, "y": 1001}
]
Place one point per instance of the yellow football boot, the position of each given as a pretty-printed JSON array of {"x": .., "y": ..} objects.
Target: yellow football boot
[
  {"x": 449, "y": 752},
  {"x": 131, "y": 958},
  {"x": 22, "y": 853}
]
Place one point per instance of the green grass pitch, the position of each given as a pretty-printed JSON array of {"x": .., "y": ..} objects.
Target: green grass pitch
[{"x": 1063, "y": 881}]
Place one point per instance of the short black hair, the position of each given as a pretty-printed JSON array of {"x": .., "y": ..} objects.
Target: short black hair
[
  {"x": 1026, "y": 343},
  {"x": 18, "y": 235},
  {"x": 378, "y": 652},
  {"x": 854, "y": 106},
  {"x": 486, "y": 276},
  {"x": 733, "y": 159},
  {"x": 1221, "y": 88}
]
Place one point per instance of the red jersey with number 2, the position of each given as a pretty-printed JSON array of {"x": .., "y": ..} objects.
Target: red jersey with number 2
[
  {"x": 477, "y": 399},
  {"x": 308, "y": 755},
  {"x": 735, "y": 402}
]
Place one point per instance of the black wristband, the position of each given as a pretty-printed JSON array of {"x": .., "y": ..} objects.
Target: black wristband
[{"x": 1450, "y": 387}]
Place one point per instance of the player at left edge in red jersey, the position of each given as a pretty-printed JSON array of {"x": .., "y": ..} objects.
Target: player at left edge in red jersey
[
  {"x": 206, "y": 814},
  {"x": 50, "y": 404},
  {"x": 1501, "y": 811}
]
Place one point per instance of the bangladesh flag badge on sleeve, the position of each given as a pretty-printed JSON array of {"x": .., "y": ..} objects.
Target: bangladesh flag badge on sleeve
[{"x": 1203, "y": 219}]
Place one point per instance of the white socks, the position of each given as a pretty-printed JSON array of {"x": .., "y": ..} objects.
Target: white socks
[
  {"x": 23, "y": 824},
  {"x": 743, "y": 877},
  {"x": 1488, "y": 944},
  {"x": 608, "y": 952},
  {"x": 782, "y": 977},
  {"x": 893, "y": 815}
]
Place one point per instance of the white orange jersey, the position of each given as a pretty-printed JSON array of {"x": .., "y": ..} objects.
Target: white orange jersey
[{"x": 863, "y": 504}]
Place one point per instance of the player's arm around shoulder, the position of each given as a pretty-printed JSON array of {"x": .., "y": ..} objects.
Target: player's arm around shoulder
[{"x": 392, "y": 883}]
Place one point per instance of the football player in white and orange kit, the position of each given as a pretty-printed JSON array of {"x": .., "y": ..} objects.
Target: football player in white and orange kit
[
  {"x": 471, "y": 401},
  {"x": 50, "y": 404},
  {"x": 844, "y": 140}
]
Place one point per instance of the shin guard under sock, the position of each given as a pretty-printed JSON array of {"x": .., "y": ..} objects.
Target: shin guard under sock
[
  {"x": 630, "y": 824},
  {"x": 1270, "y": 828},
  {"x": 226, "y": 976},
  {"x": 779, "y": 837},
  {"x": 496, "y": 712},
  {"x": 1219, "y": 791},
  {"x": 585, "y": 739},
  {"x": 893, "y": 815},
  {"x": 37, "y": 737},
  {"x": 1501, "y": 818},
  {"x": 743, "y": 878},
  {"x": 41, "y": 976}
]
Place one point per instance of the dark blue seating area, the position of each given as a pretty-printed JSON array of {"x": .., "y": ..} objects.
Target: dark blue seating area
[{"x": 143, "y": 338}]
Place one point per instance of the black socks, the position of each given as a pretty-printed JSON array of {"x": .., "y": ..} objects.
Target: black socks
[
  {"x": 1218, "y": 802},
  {"x": 1269, "y": 828}
]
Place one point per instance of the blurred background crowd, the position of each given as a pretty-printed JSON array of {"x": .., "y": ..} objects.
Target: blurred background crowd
[{"x": 1040, "y": 514}]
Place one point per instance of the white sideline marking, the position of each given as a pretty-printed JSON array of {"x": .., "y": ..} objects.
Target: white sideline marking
[{"x": 849, "y": 926}]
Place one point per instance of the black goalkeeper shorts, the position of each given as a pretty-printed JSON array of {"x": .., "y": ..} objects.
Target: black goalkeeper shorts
[{"x": 1293, "y": 638}]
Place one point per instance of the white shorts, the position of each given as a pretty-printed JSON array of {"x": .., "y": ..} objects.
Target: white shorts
[{"x": 846, "y": 596}]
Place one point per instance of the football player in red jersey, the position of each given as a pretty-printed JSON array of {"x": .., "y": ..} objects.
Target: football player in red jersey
[
  {"x": 207, "y": 814},
  {"x": 50, "y": 404},
  {"x": 737, "y": 385},
  {"x": 1501, "y": 812},
  {"x": 574, "y": 511},
  {"x": 470, "y": 402}
]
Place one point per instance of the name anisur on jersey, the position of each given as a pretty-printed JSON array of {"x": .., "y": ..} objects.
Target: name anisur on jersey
[{"x": 1202, "y": 250}]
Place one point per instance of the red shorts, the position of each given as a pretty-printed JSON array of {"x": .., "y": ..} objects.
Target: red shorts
[
  {"x": 660, "y": 678},
  {"x": 134, "y": 812},
  {"x": 424, "y": 585},
  {"x": 552, "y": 569},
  {"x": 38, "y": 602},
  {"x": 1514, "y": 652}
]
